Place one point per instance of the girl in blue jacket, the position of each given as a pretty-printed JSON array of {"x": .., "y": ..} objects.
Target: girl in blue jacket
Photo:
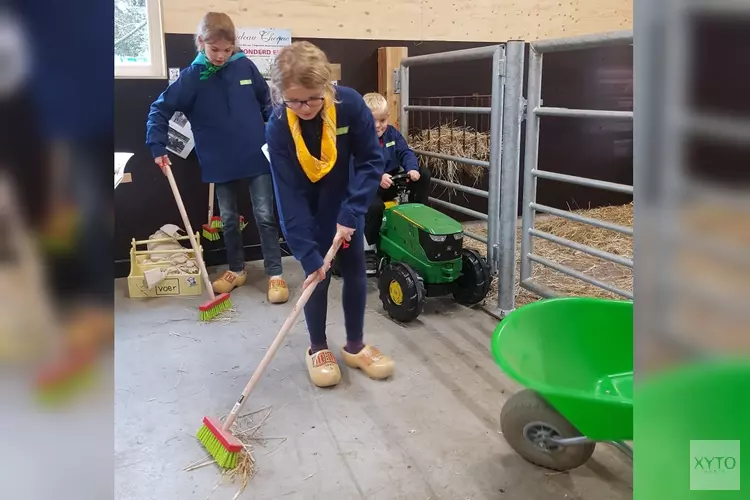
[
  {"x": 227, "y": 102},
  {"x": 326, "y": 164}
]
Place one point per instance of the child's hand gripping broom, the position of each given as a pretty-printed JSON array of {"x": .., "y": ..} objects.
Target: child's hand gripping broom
[
  {"x": 215, "y": 436},
  {"x": 216, "y": 305}
]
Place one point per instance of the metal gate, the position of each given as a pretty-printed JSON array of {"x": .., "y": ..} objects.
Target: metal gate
[
  {"x": 534, "y": 112},
  {"x": 505, "y": 111}
]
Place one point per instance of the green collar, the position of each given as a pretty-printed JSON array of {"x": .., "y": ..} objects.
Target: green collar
[{"x": 211, "y": 68}]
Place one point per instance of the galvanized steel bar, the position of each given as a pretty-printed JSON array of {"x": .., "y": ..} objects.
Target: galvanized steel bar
[
  {"x": 625, "y": 448},
  {"x": 475, "y": 236},
  {"x": 452, "y": 56},
  {"x": 510, "y": 175},
  {"x": 584, "y": 220},
  {"x": 584, "y": 113},
  {"x": 479, "y": 110},
  {"x": 541, "y": 290},
  {"x": 720, "y": 128},
  {"x": 582, "y": 248},
  {"x": 580, "y": 276},
  {"x": 496, "y": 146},
  {"x": 458, "y": 208},
  {"x": 404, "y": 125},
  {"x": 460, "y": 187},
  {"x": 530, "y": 160},
  {"x": 457, "y": 159},
  {"x": 583, "y": 181},
  {"x": 583, "y": 42}
]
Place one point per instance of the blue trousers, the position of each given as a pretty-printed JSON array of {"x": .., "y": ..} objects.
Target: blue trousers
[
  {"x": 351, "y": 263},
  {"x": 261, "y": 195}
]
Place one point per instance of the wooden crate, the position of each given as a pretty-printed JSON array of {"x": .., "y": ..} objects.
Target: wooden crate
[{"x": 174, "y": 285}]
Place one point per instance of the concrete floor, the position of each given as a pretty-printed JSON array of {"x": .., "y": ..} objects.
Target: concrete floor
[{"x": 431, "y": 432}]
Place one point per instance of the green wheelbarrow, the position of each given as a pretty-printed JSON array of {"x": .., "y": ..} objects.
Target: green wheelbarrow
[{"x": 575, "y": 358}]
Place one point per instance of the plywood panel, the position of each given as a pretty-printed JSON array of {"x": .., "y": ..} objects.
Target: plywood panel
[
  {"x": 389, "y": 61},
  {"x": 478, "y": 20}
]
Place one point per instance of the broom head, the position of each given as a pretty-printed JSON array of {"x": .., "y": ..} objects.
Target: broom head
[
  {"x": 211, "y": 309},
  {"x": 222, "y": 446},
  {"x": 60, "y": 381},
  {"x": 216, "y": 222},
  {"x": 211, "y": 233},
  {"x": 243, "y": 224}
]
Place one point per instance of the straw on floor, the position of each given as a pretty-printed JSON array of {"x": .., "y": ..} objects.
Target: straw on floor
[{"x": 602, "y": 239}]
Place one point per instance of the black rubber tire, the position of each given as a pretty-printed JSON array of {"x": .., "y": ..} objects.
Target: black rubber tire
[
  {"x": 412, "y": 288},
  {"x": 527, "y": 407},
  {"x": 474, "y": 283}
]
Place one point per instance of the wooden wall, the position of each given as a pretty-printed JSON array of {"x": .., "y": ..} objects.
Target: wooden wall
[{"x": 454, "y": 20}]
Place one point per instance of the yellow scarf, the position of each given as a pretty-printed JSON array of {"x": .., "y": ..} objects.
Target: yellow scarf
[{"x": 316, "y": 169}]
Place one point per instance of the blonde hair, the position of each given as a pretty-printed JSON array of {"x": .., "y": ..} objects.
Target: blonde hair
[
  {"x": 376, "y": 102},
  {"x": 213, "y": 27},
  {"x": 300, "y": 63}
]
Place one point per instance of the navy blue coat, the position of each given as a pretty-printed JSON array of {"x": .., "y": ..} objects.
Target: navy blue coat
[
  {"x": 308, "y": 211},
  {"x": 227, "y": 112},
  {"x": 396, "y": 152}
]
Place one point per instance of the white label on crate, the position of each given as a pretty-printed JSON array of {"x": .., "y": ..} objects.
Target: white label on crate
[{"x": 168, "y": 287}]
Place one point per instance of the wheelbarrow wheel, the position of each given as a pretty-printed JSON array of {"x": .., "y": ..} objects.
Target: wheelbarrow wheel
[{"x": 527, "y": 421}]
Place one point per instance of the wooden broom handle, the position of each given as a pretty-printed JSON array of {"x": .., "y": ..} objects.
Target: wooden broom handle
[
  {"x": 210, "y": 202},
  {"x": 189, "y": 229},
  {"x": 271, "y": 352}
]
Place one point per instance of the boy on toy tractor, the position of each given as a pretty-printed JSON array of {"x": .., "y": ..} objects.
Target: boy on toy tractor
[{"x": 400, "y": 161}]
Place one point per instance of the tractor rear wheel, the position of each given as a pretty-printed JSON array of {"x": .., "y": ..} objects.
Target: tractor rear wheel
[
  {"x": 401, "y": 291},
  {"x": 474, "y": 283}
]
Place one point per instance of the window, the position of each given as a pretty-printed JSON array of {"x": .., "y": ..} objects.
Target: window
[{"x": 139, "y": 40}]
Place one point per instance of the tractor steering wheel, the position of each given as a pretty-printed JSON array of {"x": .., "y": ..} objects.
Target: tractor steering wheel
[{"x": 400, "y": 178}]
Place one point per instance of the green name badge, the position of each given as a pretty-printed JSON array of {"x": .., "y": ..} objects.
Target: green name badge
[
  {"x": 342, "y": 130},
  {"x": 246, "y": 82},
  {"x": 389, "y": 144}
]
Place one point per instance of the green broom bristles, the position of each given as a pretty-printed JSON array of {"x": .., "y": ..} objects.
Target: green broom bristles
[
  {"x": 224, "y": 458},
  {"x": 211, "y": 233},
  {"x": 216, "y": 222},
  {"x": 222, "y": 446},
  {"x": 214, "y": 308},
  {"x": 59, "y": 384}
]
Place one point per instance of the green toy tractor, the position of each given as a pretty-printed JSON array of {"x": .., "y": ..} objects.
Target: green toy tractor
[{"x": 421, "y": 255}]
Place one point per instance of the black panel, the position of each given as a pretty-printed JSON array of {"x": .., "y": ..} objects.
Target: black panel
[{"x": 440, "y": 251}]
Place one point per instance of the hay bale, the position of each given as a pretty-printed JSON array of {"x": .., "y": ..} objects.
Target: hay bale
[
  {"x": 602, "y": 239},
  {"x": 455, "y": 141}
]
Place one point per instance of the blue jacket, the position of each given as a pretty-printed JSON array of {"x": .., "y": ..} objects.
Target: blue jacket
[
  {"x": 68, "y": 105},
  {"x": 227, "y": 112},
  {"x": 308, "y": 211},
  {"x": 396, "y": 152}
]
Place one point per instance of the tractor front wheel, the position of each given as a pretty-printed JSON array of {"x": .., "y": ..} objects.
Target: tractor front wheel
[
  {"x": 474, "y": 283},
  {"x": 401, "y": 291}
]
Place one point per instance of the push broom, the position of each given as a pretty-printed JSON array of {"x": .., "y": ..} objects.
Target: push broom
[
  {"x": 215, "y": 436},
  {"x": 211, "y": 229},
  {"x": 214, "y": 225},
  {"x": 216, "y": 305}
]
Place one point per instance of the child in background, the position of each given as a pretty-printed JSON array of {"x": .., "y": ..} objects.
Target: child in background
[
  {"x": 399, "y": 158},
  {"x": 227, "y": 101},
  {"x": 326, "y": 164}
]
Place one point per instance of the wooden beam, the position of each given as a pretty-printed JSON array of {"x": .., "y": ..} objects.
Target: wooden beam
[{"x": 389, "y": 61}]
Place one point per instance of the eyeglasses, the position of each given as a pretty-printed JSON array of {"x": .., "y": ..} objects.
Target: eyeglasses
[{"x": 313, "y": 101}]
